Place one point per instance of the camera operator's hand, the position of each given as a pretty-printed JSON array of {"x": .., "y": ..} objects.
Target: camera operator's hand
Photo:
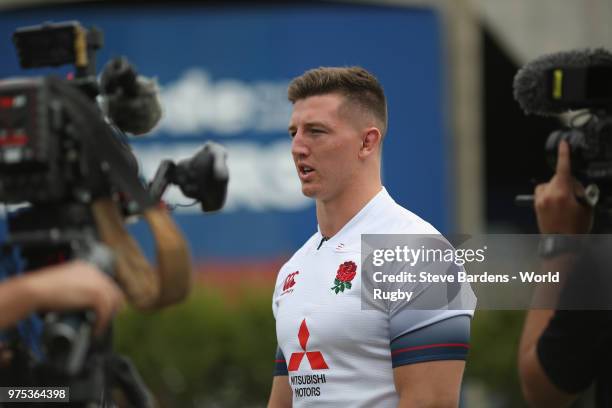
[
  {"x": 68, "y": 286},
  {"x": 559, "y": 212},
  {"x": 555, "y": 203}
]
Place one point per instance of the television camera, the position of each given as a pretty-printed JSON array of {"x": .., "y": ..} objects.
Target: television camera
[{"x": 68, "y": 159}]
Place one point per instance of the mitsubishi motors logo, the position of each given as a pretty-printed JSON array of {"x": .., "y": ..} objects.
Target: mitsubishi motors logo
[{"x": 315, "y": 358}]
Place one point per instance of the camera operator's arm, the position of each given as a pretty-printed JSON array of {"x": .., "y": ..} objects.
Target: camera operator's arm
[
  {"x": 558, "y": 212},
  {"x": 72, "y": 285}
]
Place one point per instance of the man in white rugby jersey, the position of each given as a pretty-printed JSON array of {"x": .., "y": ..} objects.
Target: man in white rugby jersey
[{"x": 332, "y": 353}]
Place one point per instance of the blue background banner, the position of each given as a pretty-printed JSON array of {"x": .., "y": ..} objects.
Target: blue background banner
[{"x": 223, "y": 73}]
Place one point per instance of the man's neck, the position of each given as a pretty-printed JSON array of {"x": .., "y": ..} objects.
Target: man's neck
[{"x": 334, "y": 214}]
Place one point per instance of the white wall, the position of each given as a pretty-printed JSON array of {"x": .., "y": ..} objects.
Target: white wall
[{"x": 530, "y": 28}]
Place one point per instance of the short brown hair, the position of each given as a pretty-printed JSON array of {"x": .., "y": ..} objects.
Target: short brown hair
[{"x": 357, "y": 85}]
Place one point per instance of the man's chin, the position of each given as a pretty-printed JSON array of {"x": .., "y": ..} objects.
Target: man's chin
[{"x": 309, "y": 191}]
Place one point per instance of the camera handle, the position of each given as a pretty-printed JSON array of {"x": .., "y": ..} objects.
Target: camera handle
[{"x": 590, "y": 198}]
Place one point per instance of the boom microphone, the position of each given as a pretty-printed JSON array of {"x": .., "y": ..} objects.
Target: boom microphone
[
  {"x": 131, "y": 101},
  {"x": 555, "y": 83}
]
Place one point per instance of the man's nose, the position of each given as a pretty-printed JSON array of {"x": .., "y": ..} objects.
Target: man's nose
[{"x": 299, "y": 147}]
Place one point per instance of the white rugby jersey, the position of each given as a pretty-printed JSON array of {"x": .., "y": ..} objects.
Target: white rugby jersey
[{"x": 335, "y": 353}]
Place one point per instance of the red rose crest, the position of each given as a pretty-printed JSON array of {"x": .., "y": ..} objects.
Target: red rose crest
[{"x": 346, "y": 273}]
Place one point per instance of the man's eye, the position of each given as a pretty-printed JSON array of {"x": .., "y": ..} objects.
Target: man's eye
[
  {"x": 317, "y": 130},
  {"x": 292, "y": 134}
]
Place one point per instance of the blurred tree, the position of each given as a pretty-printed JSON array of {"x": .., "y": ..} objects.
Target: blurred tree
[
  {"x": 210, "y": 351},
  {"x": 492, "y": 361}
]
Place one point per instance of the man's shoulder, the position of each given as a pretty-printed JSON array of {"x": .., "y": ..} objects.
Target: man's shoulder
[{"x": 395, "y": 219}]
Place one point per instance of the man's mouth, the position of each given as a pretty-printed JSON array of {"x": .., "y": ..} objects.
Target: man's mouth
[{"x": 305, "y": 170}]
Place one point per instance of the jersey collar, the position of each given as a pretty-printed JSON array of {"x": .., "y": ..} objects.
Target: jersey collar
[{"x": 381, "y": 199}]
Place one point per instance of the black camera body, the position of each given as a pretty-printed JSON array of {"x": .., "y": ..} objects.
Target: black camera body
[{"x": 42, "y": 159}]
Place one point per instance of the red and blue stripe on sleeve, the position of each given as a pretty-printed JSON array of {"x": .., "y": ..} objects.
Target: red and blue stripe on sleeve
[
  {"x": 280, "y": 364},
  {"x": 444, "y": 340}
]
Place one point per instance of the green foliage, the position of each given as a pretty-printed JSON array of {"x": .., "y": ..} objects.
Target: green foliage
[
  {"x": 217, "y": 349},
  {"x": 492, "y": 360},
  {"x": 208, "y": 351}
]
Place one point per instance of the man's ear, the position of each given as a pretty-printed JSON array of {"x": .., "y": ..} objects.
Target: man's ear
[{"x": 370, "y": 141}]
